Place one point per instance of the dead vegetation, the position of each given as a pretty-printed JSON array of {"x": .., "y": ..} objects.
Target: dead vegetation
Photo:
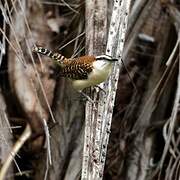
[{"x": 144, "y": 138}]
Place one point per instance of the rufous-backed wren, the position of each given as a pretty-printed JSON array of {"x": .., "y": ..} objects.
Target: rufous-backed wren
[{"x": 84, "y": 71}]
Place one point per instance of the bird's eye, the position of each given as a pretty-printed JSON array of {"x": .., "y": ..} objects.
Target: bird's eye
[{"x": 42, "y": 50}]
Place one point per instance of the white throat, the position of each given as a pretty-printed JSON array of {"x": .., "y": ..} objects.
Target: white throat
[{"x": 100, "y": 65}]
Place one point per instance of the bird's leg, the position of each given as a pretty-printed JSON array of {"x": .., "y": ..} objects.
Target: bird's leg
[{"x": 87, "y": 97}]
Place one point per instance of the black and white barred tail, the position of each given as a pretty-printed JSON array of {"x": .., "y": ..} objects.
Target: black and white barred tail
[{"x": 54, "y": 56}]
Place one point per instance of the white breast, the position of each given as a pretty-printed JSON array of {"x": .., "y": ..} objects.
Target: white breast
[{"x": 101, "y": 71}]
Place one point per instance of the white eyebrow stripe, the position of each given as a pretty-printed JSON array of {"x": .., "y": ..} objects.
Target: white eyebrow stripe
[{"x": 103, "y": 57}]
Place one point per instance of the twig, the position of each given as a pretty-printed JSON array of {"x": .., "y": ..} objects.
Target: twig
[
  {"x": 48, "y": 147},
  {"x": 2, "y": 44},
  {"x": 71, "y": 41},
  {"x": 19, "y": 143},
  {"x": 172, "y": 119},
  {"x": 13, "y": 48},
  {"x": 72, "y": 9},
  {"x": 8, "y": 19},
  {"x": 46, "y": 130}
]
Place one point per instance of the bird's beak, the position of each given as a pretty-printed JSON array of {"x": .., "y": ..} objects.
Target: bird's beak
[{"x": 113, "y": 59}]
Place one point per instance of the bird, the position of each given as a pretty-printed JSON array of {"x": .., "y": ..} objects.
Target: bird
[{"x": 84, "y": 71}]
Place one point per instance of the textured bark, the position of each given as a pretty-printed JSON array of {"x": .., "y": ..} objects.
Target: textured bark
[
  {"x": 96, "y": 35},
  {"x": 99, "y": 115},
  {"x": 144, "y": 141}
]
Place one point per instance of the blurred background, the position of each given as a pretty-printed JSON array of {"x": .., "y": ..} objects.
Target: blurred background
[{"x": 144, "y": 141}]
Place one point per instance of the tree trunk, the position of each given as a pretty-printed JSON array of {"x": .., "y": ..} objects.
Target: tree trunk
[{"x": 144, "y": 138}]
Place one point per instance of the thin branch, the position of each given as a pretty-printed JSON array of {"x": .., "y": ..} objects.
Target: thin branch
[
  {"x": 19, "y": 143},
  {"x": 172, "y": 118},
  {"x": 71, "y": 41},
  {"x": 69, "y": 6},
  {"x": 48, "y": 147}
]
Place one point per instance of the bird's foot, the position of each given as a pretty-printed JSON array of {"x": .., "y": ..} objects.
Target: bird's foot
[
  {"x": 101, "y": 89},
  {"x": 87, "y": 97}
]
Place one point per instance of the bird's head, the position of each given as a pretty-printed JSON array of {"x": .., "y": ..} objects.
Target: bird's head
[{"x": 106, "y": 58}]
